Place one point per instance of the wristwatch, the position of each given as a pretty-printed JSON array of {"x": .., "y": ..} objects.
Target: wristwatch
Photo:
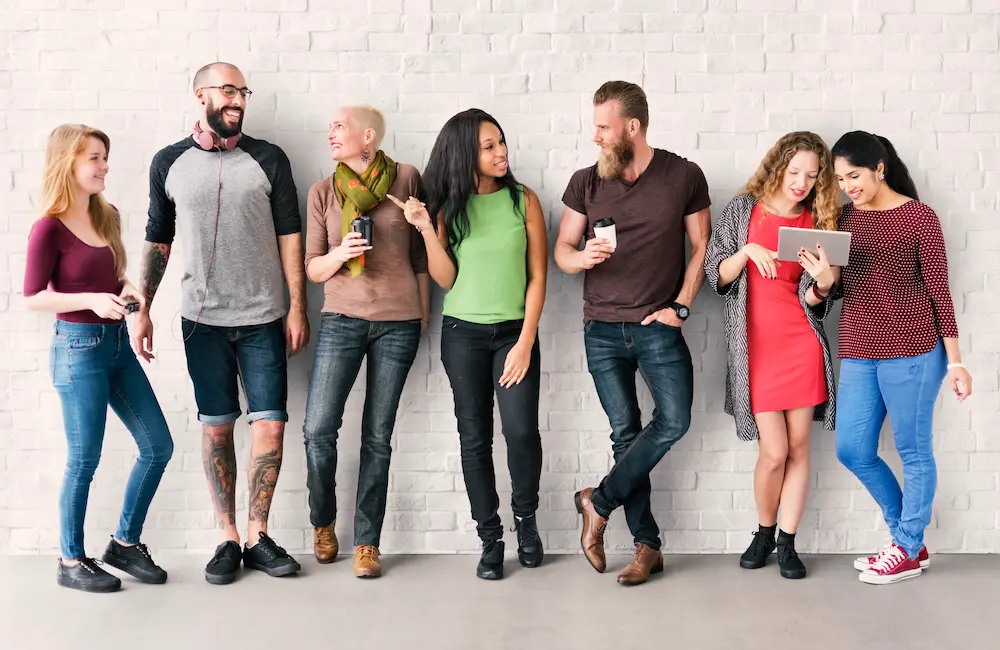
[{"x": 682, "y": 310}]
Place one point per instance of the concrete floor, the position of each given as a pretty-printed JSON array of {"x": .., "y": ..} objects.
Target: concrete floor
[{"x": 699, "y": 603}]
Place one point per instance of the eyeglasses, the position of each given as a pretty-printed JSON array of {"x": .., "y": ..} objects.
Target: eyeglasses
[{"x": 230, "y": 91}]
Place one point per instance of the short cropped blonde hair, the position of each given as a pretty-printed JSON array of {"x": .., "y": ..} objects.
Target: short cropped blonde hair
[{"x": 366, "y": 116}]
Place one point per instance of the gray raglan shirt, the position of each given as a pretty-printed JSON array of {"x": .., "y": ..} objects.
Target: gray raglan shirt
[{"x": 244, "y": 284}]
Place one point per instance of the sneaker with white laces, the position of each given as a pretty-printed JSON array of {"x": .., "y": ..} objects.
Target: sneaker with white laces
[
  {"x": 865, "y": 563},
  {"x": 894, "y": 565}
]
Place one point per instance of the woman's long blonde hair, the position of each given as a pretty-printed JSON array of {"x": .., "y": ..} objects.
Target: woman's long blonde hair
[
  {"x": 823, "y": 200},
  {"x": 59, "y": 186}
]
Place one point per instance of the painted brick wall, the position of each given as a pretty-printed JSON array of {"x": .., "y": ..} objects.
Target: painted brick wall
[{"x": 725, "y": 78}]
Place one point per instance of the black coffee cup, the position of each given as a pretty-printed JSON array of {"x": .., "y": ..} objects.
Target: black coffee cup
[{"x": 364, "y": 225}]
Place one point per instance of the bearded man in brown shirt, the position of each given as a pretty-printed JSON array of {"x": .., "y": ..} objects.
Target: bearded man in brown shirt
[
  {"x": 637, "y": 294},
  {"x": 373, "y": 266}
]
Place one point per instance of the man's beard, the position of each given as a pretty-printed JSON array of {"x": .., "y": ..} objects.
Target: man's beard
[
  {"x": 217, "y": 122},
  {"x": 611, "y": 163}
]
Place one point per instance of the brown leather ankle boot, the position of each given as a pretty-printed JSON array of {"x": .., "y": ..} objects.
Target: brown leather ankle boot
[
  {"x": 647, "y": 560},
  {"x": 325, "y": 545},
  {"x": 366, "y": 562}
]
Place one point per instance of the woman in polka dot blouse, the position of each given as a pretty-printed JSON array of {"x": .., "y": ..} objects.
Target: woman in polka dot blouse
[{"x": 898, "y": 341}]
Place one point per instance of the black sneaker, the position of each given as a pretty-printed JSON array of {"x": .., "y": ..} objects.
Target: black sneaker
[
  {"x": 789, "y": 563},
  {"x": 135, "y": 561},
  {"x": 222, "y": 568},
  {"x": 529, "y": 544},
  {"x": 756, "y": 554},
  {"x": 270, "y": 558},
  {"x": 86, "y": 575},
  {"x": 491, "y": 563}
]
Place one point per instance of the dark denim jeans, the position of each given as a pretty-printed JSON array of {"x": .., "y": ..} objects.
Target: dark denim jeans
[
  {"x": 614, "y": 352},
  {"x": 473, "y": 355},
  {"x": 218, "y": 356},
  {"x": 341, "y": 346},
  {"x": 906, "y": 389},
  {"x": 92, "y": 367}
]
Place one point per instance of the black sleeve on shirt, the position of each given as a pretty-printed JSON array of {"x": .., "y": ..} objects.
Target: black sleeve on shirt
[
  {"x": 162, "y": 221},
  {"x": 284, "y": 199}
]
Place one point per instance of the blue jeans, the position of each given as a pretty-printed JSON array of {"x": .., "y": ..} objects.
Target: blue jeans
[
  {"x": 254, "y": 354},
  {"x": 341, "y": 346},
  {"x": 906, "y": 389},
  {"x": 93, "y": 366},
  {"x": 615, "y": 351}
]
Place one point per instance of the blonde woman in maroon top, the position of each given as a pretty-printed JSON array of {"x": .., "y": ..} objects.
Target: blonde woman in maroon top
[
  {"x": 76, "y": 269},
  {"x": 898, "y": 342}
]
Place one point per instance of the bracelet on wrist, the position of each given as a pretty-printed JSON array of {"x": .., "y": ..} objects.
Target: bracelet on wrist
[{"x": 955, "y": 365}]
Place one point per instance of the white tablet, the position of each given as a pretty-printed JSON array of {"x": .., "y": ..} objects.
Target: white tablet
[{"x": 837, "y": 244}]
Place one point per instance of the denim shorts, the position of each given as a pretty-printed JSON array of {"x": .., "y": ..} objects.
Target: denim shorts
[{"x": 254, "y": 354}]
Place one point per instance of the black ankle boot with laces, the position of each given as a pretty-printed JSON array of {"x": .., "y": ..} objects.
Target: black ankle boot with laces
[{"x": 529, "y": 543}]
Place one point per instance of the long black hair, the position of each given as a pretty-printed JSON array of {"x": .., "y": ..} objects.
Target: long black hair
[
  {"x": 863, "y": 149},
  {"x": 452, "y": 173}
]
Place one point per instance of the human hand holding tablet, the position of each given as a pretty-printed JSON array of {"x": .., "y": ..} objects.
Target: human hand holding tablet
[{"x": 835, "y": 243}]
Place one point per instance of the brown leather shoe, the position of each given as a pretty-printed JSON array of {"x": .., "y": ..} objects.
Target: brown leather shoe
[
  {"x": 647, "y": 560},
  {"x": 325, "y": 545},
  {"x": 366, "y": 562},
  {"x": 592, "y": 538}
]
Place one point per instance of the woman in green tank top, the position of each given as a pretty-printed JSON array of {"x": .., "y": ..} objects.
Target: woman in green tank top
[{"x": 488, "y": 249}]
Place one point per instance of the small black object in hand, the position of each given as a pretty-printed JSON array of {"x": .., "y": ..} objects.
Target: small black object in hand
[{"x": 132, "y": 306}]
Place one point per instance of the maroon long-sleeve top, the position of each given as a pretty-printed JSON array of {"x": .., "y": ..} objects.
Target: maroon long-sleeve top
[
  {"x": 58, "y": 258},
  {"x": 896, "y": 297}
]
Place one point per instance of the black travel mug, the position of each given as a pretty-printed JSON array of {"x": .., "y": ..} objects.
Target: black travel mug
[{"x": 364, "y": 225}]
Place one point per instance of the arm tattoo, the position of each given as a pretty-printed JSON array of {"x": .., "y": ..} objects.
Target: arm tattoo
[
  {"x": 264, "y": 470},
  {"x": 154, "y": 265},
  {"x": 219, "y": 457}
]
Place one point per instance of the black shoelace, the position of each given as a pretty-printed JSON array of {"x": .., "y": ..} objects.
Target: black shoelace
[
  {"x": 761, "y": 542},
  {"x": 144, "y": 551},
  {"x": 91, "y": 565},
  {"x": 224, "y": 552},
  {"x": 786, "y": 552},
  {"x": 527, "y": 533},
  {"x": 271, "y": 548}
]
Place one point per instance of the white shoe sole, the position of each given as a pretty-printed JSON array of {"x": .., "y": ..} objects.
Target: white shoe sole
[
  {"x": 872, "y": 578},
  {"x": 861, "y": 564}
]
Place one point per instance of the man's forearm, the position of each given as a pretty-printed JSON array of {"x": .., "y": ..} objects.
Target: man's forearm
[
  {"x": 154, "y": 265},
  {"x": 694, "y": 276},
  {"x": 292, "y": 263},
  {"x": 565, "y": 256}
]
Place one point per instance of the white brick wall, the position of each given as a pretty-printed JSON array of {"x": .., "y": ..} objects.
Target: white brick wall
[{"x": 725, "y": 78}]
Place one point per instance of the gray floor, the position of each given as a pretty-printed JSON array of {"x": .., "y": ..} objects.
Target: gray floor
[{"x": 700, "y": 602}]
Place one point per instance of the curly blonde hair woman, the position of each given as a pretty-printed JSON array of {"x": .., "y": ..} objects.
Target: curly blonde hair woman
[{"x": 780, "y": 371}]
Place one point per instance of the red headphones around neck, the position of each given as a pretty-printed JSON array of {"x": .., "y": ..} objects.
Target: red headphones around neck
[{"x": 209, "y": 140}]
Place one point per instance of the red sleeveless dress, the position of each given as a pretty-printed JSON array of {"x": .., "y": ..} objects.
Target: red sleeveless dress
[{"x": 786, "y": 359}]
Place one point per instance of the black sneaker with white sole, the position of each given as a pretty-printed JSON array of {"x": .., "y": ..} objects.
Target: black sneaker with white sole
[
  {"x": 135, "y": 561},
  {"x": 270, "y": 558},
  {"x": 86, "y": 575},
  {"x": 222, "y": 568}
]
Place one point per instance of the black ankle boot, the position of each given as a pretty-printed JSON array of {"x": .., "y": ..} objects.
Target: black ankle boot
[
  {"x": 491, "y": 563},
  {"x": 760, "y": 548},
  {"x": 529, "y": 544},
  {"x": 86, "y": 575}
]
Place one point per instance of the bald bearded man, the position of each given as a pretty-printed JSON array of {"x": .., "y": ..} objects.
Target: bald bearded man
[
  {"x": 233, "y": 201},
  {"x": 377, "y": 300}
]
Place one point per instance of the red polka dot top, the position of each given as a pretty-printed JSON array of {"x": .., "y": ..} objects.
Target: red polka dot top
[{"x": 895, "y": 287}]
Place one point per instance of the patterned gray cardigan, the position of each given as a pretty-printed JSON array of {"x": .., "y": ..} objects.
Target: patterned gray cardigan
[{"x": 729, "y": 235}]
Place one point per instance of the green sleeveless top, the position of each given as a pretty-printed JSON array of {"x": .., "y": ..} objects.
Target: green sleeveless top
[{"x": 492, "y": 262}]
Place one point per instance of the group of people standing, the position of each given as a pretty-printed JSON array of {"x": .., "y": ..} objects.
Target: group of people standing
[{"x": 378, "y": 232}]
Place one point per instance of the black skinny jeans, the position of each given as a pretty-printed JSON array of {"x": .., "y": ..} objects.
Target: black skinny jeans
[{"x": 473, "y": 355}]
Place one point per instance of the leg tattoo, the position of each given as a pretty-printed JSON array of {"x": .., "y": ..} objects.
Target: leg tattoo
[{"x": 219, "y": 457}]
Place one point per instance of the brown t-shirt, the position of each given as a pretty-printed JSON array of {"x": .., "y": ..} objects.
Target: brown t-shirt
[
  {"x": 387, "y": 290},
  {"x": 646, "y": 271}
]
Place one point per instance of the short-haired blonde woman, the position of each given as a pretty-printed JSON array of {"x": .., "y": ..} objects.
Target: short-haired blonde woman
[
  {"x": 779, "y": 368},
  {"x": 76, "y": 268}
]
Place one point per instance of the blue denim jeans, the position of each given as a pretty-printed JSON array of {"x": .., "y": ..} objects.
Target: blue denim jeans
[
  {"x": 906, "y": 389},
  {"x": 615, "y": 351},
  {"x": 341, "y": 346},
  {"x": 93, "y": 366},
  {"x": 253, "y": 354}
]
